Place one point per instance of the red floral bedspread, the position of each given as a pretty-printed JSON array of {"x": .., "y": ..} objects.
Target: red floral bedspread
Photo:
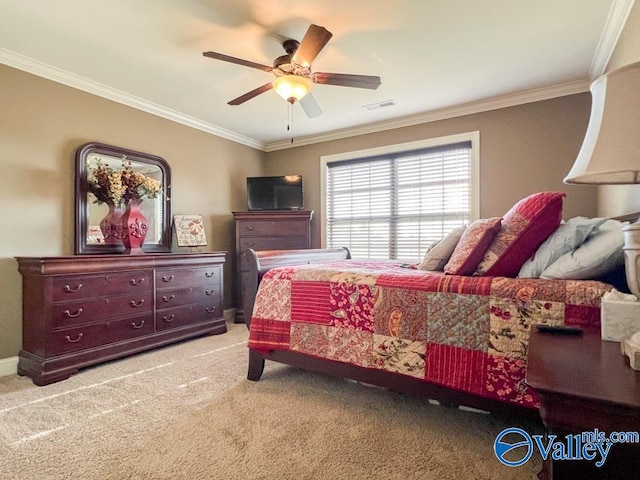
[{"x": 466, "y": 333}]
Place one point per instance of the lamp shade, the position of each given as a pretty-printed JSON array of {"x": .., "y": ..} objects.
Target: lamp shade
[
  {"x": 292, "y": 87},
  {"x": 610, "y": 153}
]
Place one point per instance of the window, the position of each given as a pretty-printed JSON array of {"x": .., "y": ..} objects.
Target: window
[{"x": 394, "y": 202}]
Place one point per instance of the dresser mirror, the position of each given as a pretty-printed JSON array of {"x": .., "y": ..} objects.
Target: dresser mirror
[{"x": 89, "y": 212}]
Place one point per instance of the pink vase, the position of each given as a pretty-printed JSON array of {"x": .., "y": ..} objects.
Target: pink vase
[
  {"x": 134, "y": 228},
  {"x": 111, "y": 226}
]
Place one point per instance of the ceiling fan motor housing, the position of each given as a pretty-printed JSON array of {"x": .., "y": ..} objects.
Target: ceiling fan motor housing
[
  {"x": 284, "y": 65},
  {"x": 290, "y": 46}
]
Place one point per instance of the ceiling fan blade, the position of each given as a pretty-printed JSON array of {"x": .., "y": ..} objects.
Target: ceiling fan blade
[
  {"x": 310, "y": 106},
  {"x": 346, "y": 80},
  {"x": 238, "y": 61},
  {"x": 253, "y": 93},
  {"x": 314, "y": 40}
]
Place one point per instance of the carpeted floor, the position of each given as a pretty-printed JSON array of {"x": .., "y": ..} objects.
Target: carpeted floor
[{"x": 188, "y": 412}]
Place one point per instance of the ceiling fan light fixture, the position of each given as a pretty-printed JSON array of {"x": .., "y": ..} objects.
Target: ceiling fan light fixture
[{"x": 292, "y": 87}]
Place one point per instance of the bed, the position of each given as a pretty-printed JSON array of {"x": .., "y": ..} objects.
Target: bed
[
  {"x": 455, "y": 327},
  {"x": 319, "y": 310}
]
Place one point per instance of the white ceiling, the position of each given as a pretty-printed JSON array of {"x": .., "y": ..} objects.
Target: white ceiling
[{"x": 436, "y": 58}]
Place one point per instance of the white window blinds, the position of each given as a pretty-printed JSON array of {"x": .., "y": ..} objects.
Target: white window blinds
[{"x": 394, "y": 206}]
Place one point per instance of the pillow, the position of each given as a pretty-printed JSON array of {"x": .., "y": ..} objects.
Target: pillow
[
  {"x": 470, "y": 249},
  {"x": 438, "y": 255},
  {"x": 599, "y": 254},
  {"x": 568, "y": 236},
  {"x": 524, "y": 227}
]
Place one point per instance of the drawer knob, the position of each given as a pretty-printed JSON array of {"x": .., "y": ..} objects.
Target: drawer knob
[
  {"x": 209, "y": 274},
  {"x": 74, "y": 314},
  {"x": 73, "y": 340},
  {"x": 134, "y": 282},
  {"x": 168, "y": 319},
  {"x": 70, "y": 289},
  {"x": 251, "y": 244},
  {"x": 211, "y": 309},
  {"x": 135, "y": 304},
  {"x": 251, "y": 228},
  {"x": 167, "y": 279},
  {"x": 133, "y": 324},
  {"x": 209, "y": 292},
  {"x": 168, "y": 299}
]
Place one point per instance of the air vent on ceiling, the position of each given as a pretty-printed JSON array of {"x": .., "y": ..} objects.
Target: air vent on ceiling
[{"x": 383, "y": 104}]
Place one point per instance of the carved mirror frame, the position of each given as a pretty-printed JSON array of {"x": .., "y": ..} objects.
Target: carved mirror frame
[{"x": 83, "y": 243}]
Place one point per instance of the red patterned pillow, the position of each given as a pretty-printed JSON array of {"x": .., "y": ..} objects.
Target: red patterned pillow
[
  {"x": 524, "y": 228},
  {"x": 470, "y": 249}
]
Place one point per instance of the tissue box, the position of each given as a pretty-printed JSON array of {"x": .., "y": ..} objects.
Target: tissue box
[{"x": 619, "y": 319}]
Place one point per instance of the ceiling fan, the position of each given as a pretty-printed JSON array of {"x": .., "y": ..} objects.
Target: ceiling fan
[{"x": 293, "y": 72}]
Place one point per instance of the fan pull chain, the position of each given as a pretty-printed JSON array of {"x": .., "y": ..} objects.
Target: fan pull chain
[{"x": 290, "y": 119}]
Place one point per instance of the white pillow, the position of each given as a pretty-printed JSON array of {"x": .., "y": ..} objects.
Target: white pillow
[
  {"x": 568, "y": 236},
  {"x": 599, "y": 254},
  {"x": 438, "y": 255}
]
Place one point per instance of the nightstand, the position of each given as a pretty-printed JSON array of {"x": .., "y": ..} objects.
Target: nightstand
[{"x": 585, "y": 383}]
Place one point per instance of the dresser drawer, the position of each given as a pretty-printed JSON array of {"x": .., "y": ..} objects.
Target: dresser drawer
[
  {"x": 183, "y": 296},
  {"x": 273, "y": 228},
  {"x": 81, "y": 338},
  {"x": 85, "y": 286},
  {"x": 188, "y": 314},
  {"x": 273, "y": 243},
  {"x": 172, "y": 278},
  {"x": 95, "y": 310}
]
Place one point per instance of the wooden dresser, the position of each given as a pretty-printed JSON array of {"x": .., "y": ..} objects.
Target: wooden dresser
[
  {"x": 82, "y": 310},
  {"x": 267, "y": 230}
]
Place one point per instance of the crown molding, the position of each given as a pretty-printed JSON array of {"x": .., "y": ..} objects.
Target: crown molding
[
  {"x": 75, "y": 81},
  {"x": 618, "y": 15},
  {"x": 58, "y": 75},
  {"x": 494, "y": 103}
]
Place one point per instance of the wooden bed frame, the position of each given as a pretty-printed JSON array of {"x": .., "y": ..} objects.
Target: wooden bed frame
[{"x": 261, "y": 261}]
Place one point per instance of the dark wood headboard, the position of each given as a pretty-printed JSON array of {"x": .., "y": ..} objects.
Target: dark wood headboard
[{"x": 629, "y": 217}]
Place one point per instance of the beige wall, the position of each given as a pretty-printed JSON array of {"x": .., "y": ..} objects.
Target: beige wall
[
  {"x": 523, "y": 149},
  {"x": 41, "y": 125},
  {"x": 620, "y": 199}
]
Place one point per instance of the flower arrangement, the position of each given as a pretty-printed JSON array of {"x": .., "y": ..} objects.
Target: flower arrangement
[{"x": 118, "y": 187}]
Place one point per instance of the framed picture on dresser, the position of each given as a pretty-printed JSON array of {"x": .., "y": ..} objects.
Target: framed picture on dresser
[{"x": 189, "y": 230}]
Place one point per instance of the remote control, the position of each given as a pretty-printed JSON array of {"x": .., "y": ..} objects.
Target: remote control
[{"x": 560, "y": 329}]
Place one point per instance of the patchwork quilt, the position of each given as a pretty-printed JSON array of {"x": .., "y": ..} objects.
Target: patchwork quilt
[{"x": 462, "y": 332}]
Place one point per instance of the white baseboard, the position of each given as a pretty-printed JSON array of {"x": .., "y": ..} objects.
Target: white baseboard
[{"x": 8, "y": 366}]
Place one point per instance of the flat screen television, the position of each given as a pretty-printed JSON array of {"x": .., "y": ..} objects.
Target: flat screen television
[{"x": 275, "y": 193}]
